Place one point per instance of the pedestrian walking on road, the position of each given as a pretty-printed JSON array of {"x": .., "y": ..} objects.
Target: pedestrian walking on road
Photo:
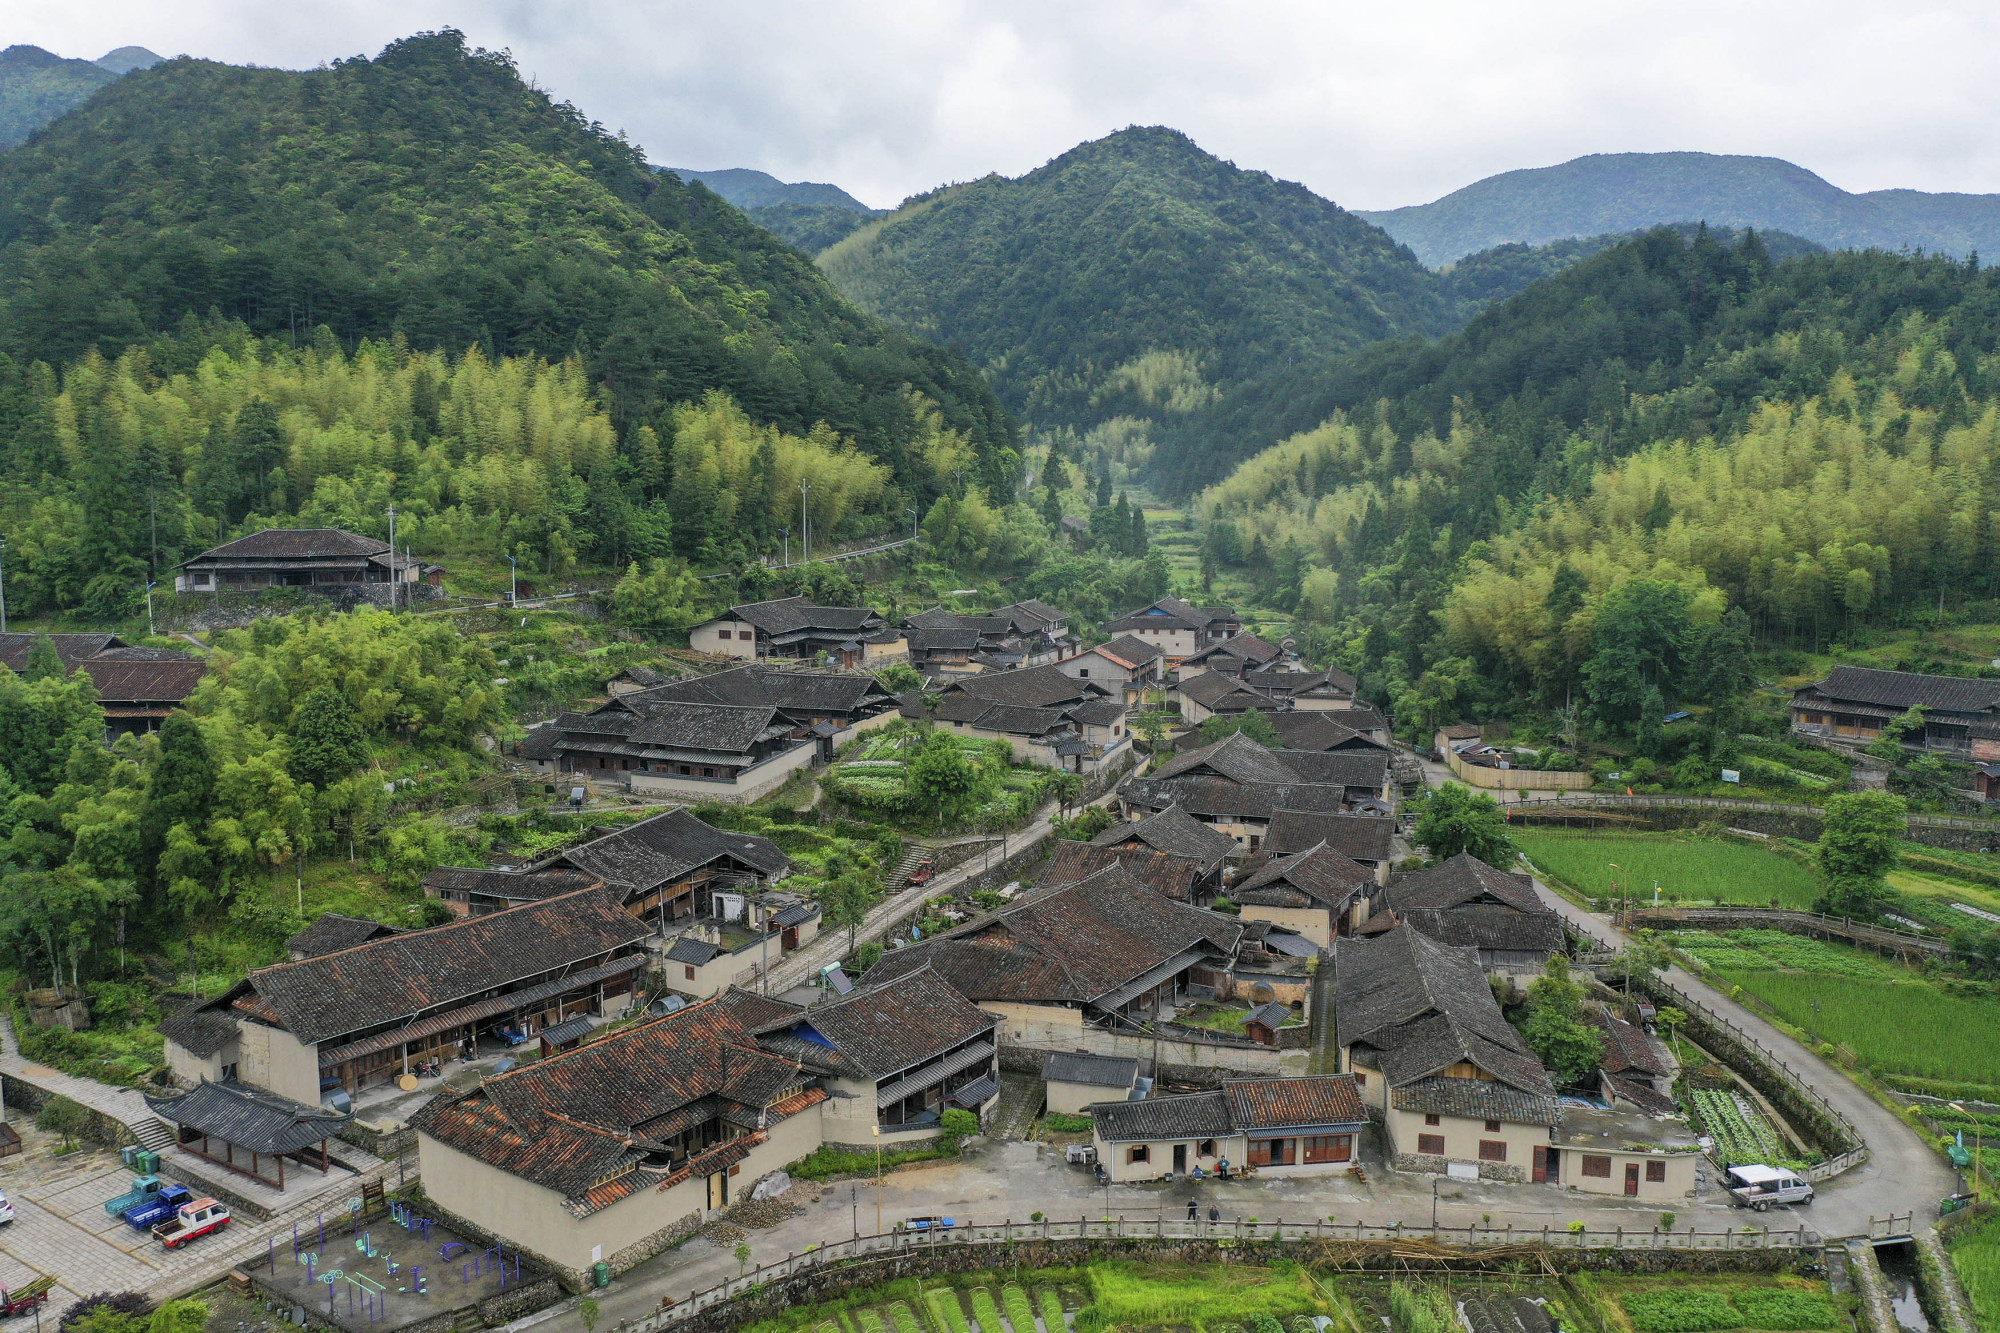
[
  {"x": 1214, "y": 1213},
  {"x": 1194, "y": 1211}
]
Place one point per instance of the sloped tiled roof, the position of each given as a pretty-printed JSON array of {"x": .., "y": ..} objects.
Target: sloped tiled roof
[
  {"x": 1241, "y": 648},
  {"x": 1235, "y": 757},
  {"x": 1175, "y": 831},
  {"x": 1466, "y": 901},
  {"x": 1170, "y": 875},
  {"x": 72, "y": 649},
  {"x": 1349, "y": 768},
  {"x": 1424, "y": 1006},
  {"x": 389, "y": 979},
  {"x": 1072, "y": 944},
  {"x": 1170, "y": 611},
  {"x": 515, "y": 885},
  {"x": 1320, "y": 872},
  {"x": 295, "y": 544},
  {"x": 786, "y": 615},
  {"x": 334, "y": 932},
  {"x": 666, "y": 847},
  {"x": 1901, "y": 690},
  {"x": 757, "y": 685},
  {"x": 1279, "y": 1103},
  {"x": 1099, "y": 1071},
  {"x": 1222, "y": 796},
  {"x": 1358, "y": 837},
  {"x": 1476, "y": 1099},
  {"x": 1210, "y": 688},
  {"x": 1127, "y": 651},
  {"x": 1036, "y": 687},
  {"x": 647, "y": 723},
  {"x": 1193, "y": 1115},
  {"x": 1627, "y": 1048},
  {"x": 200, "y": 1028},
  {"x": 251, "y": 1118},
  {"x": 904, "y": 1021},
  {"x": 1319, "y": 729}
]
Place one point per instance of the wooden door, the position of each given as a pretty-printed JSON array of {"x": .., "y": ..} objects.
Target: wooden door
[
  {"x": 1180, "y": 1159},
  {"x": 1545, "y": 1164},
  {"x": 1631, "y": 1177},
  {"x": 718, "y": 1190}
]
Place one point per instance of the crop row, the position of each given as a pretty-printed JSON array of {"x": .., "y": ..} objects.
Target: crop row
[{"x": 1741, "y": 1134}]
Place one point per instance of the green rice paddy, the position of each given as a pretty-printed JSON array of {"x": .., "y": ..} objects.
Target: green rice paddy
[{"x": 1687, "y": 869}]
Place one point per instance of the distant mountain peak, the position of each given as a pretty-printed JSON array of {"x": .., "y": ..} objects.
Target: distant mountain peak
[
  {"x": 1623, "y": 192},
  {"x": 747, "y": 188},
  {"x": 128, "y": 58}
]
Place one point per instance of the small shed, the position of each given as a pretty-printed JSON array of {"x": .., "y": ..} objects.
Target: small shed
[
  {"x": 565, "y": 1035},
  {"x": 1263, "y": 1022},
  {"x": 1986, "y": 782},
  {"x": 10, "y": 1140},
  {"x": 218, "y": 1120},
  {"x": 1078, "y": 1080}
]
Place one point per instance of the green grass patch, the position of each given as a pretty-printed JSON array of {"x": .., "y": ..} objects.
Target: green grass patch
[
  {"x": 1895, "y": 1027},
  {"x": 903, "y": 1318},
  {"x": 1774, "y": 950},
  {"x": 1020, "y": 1312},
  {"x": 826, "y": 1161},
  {"x": 986, "y": 1312},
  {"x": 1689, "y": 869},
  {"x": 1683, "y": 1309},
  {"x": 1061, "y": 1123},
  {"x": 1975, "y": 1252},
  {"x": 946, "y": 1311},
  {"x": 1131, "y": 1294}
]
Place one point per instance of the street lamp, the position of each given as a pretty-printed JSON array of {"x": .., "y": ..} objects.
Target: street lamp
[
  {"x": 149, "y": 606},
  {"x": 805, "y": 525},
  {"x": 1434, "y": 1203},
  {"x": 513, "y": 583},
  {"x": 911, "y": 510},
  {"x": 878, "y": 1177}
]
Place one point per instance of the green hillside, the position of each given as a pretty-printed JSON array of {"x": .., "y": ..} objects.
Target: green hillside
[
  {"x": 430, "y": 194},
  {"x": 36, "y": 87},
  {"x": 1624, "y": 192},
  {"x": 1135, "y": 276},
  {"x": 749, "y": 189}
]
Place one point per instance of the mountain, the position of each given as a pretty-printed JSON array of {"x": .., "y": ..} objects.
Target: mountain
[
  {"x": 809, "y": 216},
  {"x": 749, "y": 189},
  {"x": 128, "y": 58},
  {"x": 1133, "y": 277},
  {"x": 37, "y": 86},
  {"x": 1626, "y": 192},
  {"x": 430, "y": 194}
]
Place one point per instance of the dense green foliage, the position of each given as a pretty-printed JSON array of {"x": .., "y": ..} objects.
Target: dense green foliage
[
  {"x": 37, "y": 86},
  {"x": 1975, "y": 1253},
  {"x": 1695, "y": 1310},
  {"x": 1623, "y": 192},
  {"x": 809, "y": 227},
  {"x": 1133, "y": 276},
  {"x": 1454, "y": 820},
  {"x": 430, "y": 193}
]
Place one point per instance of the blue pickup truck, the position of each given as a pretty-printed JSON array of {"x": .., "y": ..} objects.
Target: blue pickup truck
[{"x": 159, "y": 1207}]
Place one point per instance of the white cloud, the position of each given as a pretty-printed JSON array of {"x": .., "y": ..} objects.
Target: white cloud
[{"x": 1371, "y": 105}]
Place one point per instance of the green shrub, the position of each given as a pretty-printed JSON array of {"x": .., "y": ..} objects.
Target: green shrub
[
  {"x": 1420, "y": 1308},
  {"x": 1062, "y": 1123},
  {"x": 1679, "y": 1310},
  {"x": 1783, "y": 1308}
]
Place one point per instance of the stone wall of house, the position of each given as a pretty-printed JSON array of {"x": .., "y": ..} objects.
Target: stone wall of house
[
  {"x": 1431, "y": 1164},
  {"x": 207, "y": 611}
]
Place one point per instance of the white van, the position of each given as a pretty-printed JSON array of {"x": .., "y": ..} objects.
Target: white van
[{"x": 1761, "y": 1186}]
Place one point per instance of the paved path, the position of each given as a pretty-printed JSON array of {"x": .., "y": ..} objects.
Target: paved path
[{"x": 1902, "y": 1174}]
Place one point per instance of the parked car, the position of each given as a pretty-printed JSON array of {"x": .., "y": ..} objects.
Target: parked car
[
  {"x": 192, "y": 1220},
  {"x": 6, "y": 1210},
  {"x": 1759, "y": 1187}
]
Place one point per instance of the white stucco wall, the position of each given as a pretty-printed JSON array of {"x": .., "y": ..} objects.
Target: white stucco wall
[
  {"x": 1315, "y": 923},
  {"x": 749, "y": 785},
  {"x": 273, "y": 1058},
  {"x": 1680, "y": 1170},
  {"x": 1118, "y": 1163},
  {"x": 708, "y": 639}
]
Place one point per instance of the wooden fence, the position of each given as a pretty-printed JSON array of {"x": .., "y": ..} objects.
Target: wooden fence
[
  {"x": 1470, "y": 1238},
  {"x": 1724, "y": 917},
  {"x": 1616, "y": 800}
]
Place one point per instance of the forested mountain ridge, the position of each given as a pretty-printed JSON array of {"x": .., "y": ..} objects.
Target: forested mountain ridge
[
  {"x": 809, "y": 216},
  {"x": 1623, "y": 192},
  {"x": 36, "y": 86},
  {"x": 1061, "y": 283},
  {"x": 430, "y": 194},
  {"x": 1666, "y": 432}
]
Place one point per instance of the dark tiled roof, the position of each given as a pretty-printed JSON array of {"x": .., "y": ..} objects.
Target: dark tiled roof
[
  {"x": 1036, "y": 687},
  {"x": 1194, "y": 1115},
  {"x": 1318, "y": 729},
  {"x": 580, "y": 1121},
  {"x": 1029, "y": 614},
  {"x": 514, "y": 885},
  {"x": 787, "y": 615},
  {"x": 1173, "y": 612},
  {"x": 333, "y": 932},
  {"x": 1475, "y": 1099},
  {"x": 667, "y": 847},
  {"x": 645, "y": 723},
  {"x": 401, "y": 976},
  {"x": 1321, "y": 873},
  {"x": 1020, "y": 721},
  {"x": 1097, "y": 712},
  {"x": 248, "y": 1117},
  {"x": 1235, "y": 757},
  {"x": 295, "y": 544},
  {"x": 1211, "y": 687},
  {"x": 1239, "y": 648},
  {"x": 161, "y": 682},
  {"x": 1172, "y": 876},
  {"x": 1464, "y": 879},
  {"x": 1128, "y": 650},
  {"x": 1358, "y": 837},
  {"x": 1223, "y": 796},
  {"x": 1902, "y": 689},
  {"x": 1424, "y": 1006},
  {"x": 1071, "y": 944},
  {"x": 72, "y": 649},
  {"x": 1272, "y": 1015},
  {"x": 1363, "y": 719},
  {"x": 1278, "y": 1103},
  {"x": 757, "y": 685},
  {"x": 643, "y": 676},
  {"x": 1466, "y": 901},
  {"x": 1174, "y": 831},
  {"x": 541, "y": 743},
  {"x": 200, "y": 1028},
  {"x": 1349, "y": 768},
  {"x": 1627, "y": 1048},
  {"x": 881, "y": 1029},
  {"x": 753, "y": 1010},
  {"x": 687, "y": 949},
  {"x": 575, "y": 1029},
  {"x": 1099, "y": 1071}
]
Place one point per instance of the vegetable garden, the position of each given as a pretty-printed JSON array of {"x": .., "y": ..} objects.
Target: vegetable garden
[
  {"x": 1740, "y": 1131},
  {"x": 1687, "y": 869},
  {"x": 874, "y": 777}
]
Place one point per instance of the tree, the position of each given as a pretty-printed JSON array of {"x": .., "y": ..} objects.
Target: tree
[
  {"x": 958, "y": 1126},
  {"x": 1889, "y": 745},
  {"x": 900, "y": 678},
  {"x": 742, "y": 1256},
  {"x": 1555, "y": 1028},
  {"x": 1456, "y": 819},
  {"x": 1089, "y": 822},
  {"x": 60, "y": 1115},
  {"x": 327, "y": 743},
  {"x": 1671, "y": 1020},
  {"x": 665, "y": 594},
  {"x": 180, "y": 788},
  {"x": 1642, "y": 639},
  {"x": 844, "y": 901},
  {"x": 1856, "y": 847},
  {"x": 43, "y": 663},
  {"x": 942, "y": 781},
  {"x": 1251, "y": 722}
]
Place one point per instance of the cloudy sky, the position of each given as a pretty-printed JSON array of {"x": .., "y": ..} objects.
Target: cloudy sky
[{"x": 1373, "y": 106}]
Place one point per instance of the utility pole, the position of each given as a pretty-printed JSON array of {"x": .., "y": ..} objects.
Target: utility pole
[
  {"x": 513, "y": 597},
  {"x": 3, "y": 586},
  {"x": 149, "y": 608},
  {"x": 912, "y": 512},
  {"x": 392, "y": 557},
  {"x": 805, "y": 525},
  {"x": 788, "y": 546}
]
